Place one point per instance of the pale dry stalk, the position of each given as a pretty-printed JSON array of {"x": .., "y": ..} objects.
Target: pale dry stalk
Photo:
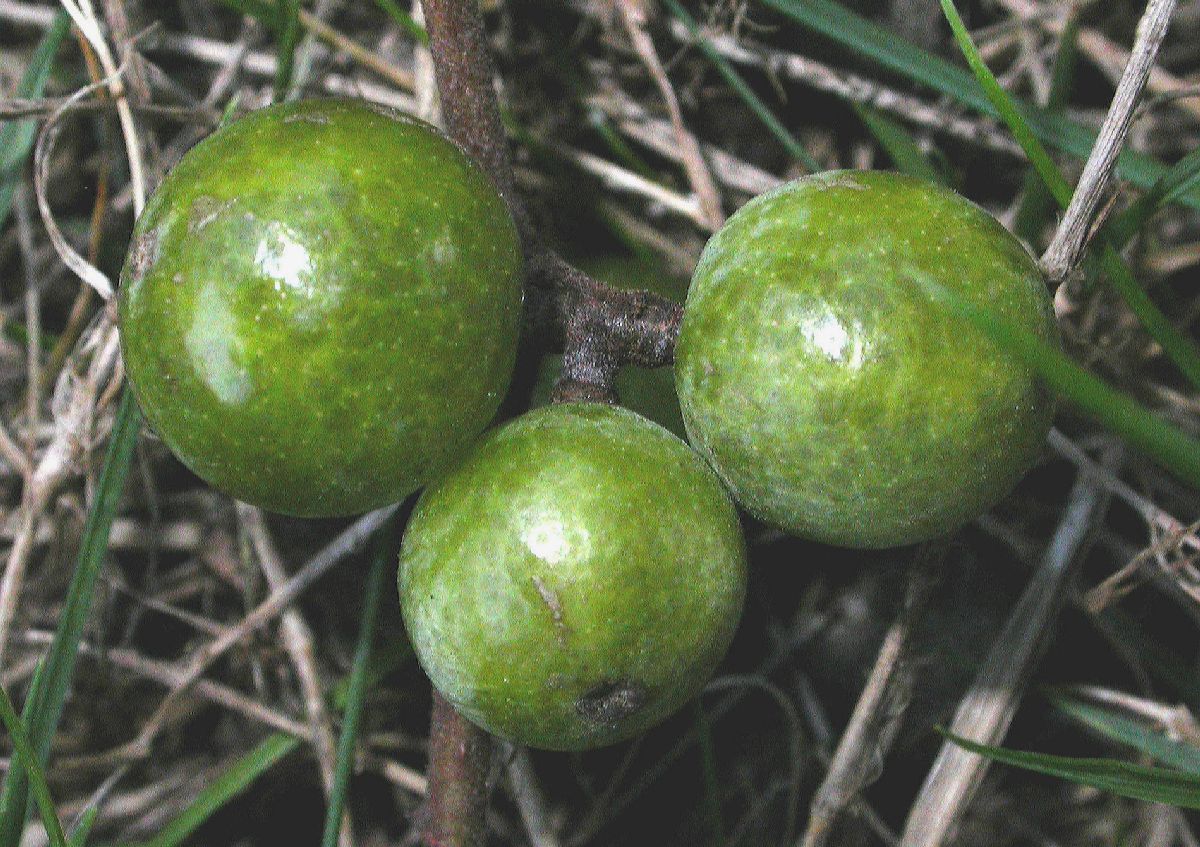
[
  {"x": 531, "y": 800},
  {"x": 84, "y": 16},
  {"x": 868, "y": 736},
  {"x": 209, "y": 51},
  {"x": 1157, "y": 518},
  {"x": 298, "y": 642},
  {"x": 169, "y": 675},
  {"x": 987, "y": 709},
  {"x": 635, "y": 121},
  {"x": 399, "y": 77},
  {"x": 1070, "y": 238},
  {"x": 854, "y": 88},
  {"x": 74, "y": 409},
  {"x": 1107, "y": 54},
  {"x": 349, "y": 541},
  {"x": 633, "y": 16}
]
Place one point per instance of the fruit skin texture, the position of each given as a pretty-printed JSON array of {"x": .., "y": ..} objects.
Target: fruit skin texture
[
  {"x": 321, "y": 305},
  {"x": 828, "y": 389},
  {"x": 575, "y": 580}
]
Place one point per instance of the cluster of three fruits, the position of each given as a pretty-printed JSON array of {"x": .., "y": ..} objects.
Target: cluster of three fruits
[{"x": 320, "y": 314}]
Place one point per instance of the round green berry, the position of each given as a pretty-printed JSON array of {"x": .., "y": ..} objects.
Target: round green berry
[
  {"x": 575, "y": 580},
  {"x": 320, "y": 307},
  {"x": 826, "y": 386}
]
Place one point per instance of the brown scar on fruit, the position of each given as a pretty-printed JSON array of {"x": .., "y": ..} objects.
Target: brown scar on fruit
[
  {"x": 144, "y": 253},
  {"x": 840, "y": 181},
  {"x": 205, "y": 210},
  {"x": 550, "y": 598},
  {"x": 389, "y": 112},
  {"x": 611, "y": 702},
  {"x": 306, "y": 118}
]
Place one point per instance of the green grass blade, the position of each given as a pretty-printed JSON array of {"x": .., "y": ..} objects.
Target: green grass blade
[
  {"x": 1037, "y": 206},
  {"x": 760, "y": 109},
  {"x": 1153, "y": 785},
  {"x": 230, "y": 111},
  {"x": 1179, "y": 180},
  {"x": 1171, "y": 185},
  {"x": 1178, "y": 347},
  {"x": 404, "y": 20},
  {"x": 80, "y": 836},
  {"x": 1167, "y": 445},
  {"x": 288, "y": 28},
  {"x": 253, "y": 765},
  {"x": 1120, "y": 727},
  {"x": 882, "y": 46},
  {"x": 1006, "y": 107},
  {"x": 385, "y": 659},
  {"x": 617, "y": 145},
  {"x": 899, "y": 145},
  {"x": 356, "y": 694},
  {"x": 43, "y": 707},
  {"x": 24, "y": 758},
  {"x": 229, "y": 785},
  {"x": 16, "y": 137},
  {"x": 1181, "y": 350}
]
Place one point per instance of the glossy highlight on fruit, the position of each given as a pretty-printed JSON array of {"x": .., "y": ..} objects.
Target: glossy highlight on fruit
[
  {"x": 320, "y": 307},
  {"x": 829, "y": 390},
  {"x": 575, "y": 580}
]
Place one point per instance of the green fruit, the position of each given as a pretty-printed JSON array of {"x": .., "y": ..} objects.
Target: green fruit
[
  {"x": 320, "y": 307},
  {"x": 826, "y": 386},
  {"x": 575, "y": 580}
]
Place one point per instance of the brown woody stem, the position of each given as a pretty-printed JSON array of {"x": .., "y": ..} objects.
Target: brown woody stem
[
  {"x": 456, "y": 800},
  {"x": 599, "y": 328},
  {"x": 464, "y": 69}
]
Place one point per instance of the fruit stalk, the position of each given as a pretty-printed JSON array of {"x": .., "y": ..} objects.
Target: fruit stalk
[
  {"x": 464, "y": 69},
  {"x": 599, "y": 327},
  {"x": 454, "y": 812},
  {"x": 456, "y": 801}
]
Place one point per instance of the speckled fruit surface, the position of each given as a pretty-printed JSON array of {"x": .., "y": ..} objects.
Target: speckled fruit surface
[
  {"x": 826, "y": 386},
  {"x": 320, "y": 307},
  {"x": 575, "y": 580}
]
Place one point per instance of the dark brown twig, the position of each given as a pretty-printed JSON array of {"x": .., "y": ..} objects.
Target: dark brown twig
[
  {"x": 455, "y": 807},
  {"x": 600, "y": 329},
  {"x": 464, "y": 69}
]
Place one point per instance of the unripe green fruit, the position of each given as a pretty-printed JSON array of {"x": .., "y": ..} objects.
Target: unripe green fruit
[
  {"x": 575, "y": 580},
  {"x": 320, "y": 307},
  {"x": 825, "y": 385}
]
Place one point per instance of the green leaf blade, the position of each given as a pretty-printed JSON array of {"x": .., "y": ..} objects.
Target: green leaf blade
[
  {"x": 288, "y": 29},
  {"x": 229, "y": 785},
  {"x": 1137, "y": 782},
  {"x": 899, "y": 145},
  {"x": 1119, "y": 727},
  {"x": 386, "y": 552},
  {"x": 876, "y": 43},
  {"x": 27, "y": 760},
  {"x": 760, "y": 109},
  {"x": 44, "y": 705},
  {"x": 1167, "y": 445},
  {"x": 16, "y": 137}
]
